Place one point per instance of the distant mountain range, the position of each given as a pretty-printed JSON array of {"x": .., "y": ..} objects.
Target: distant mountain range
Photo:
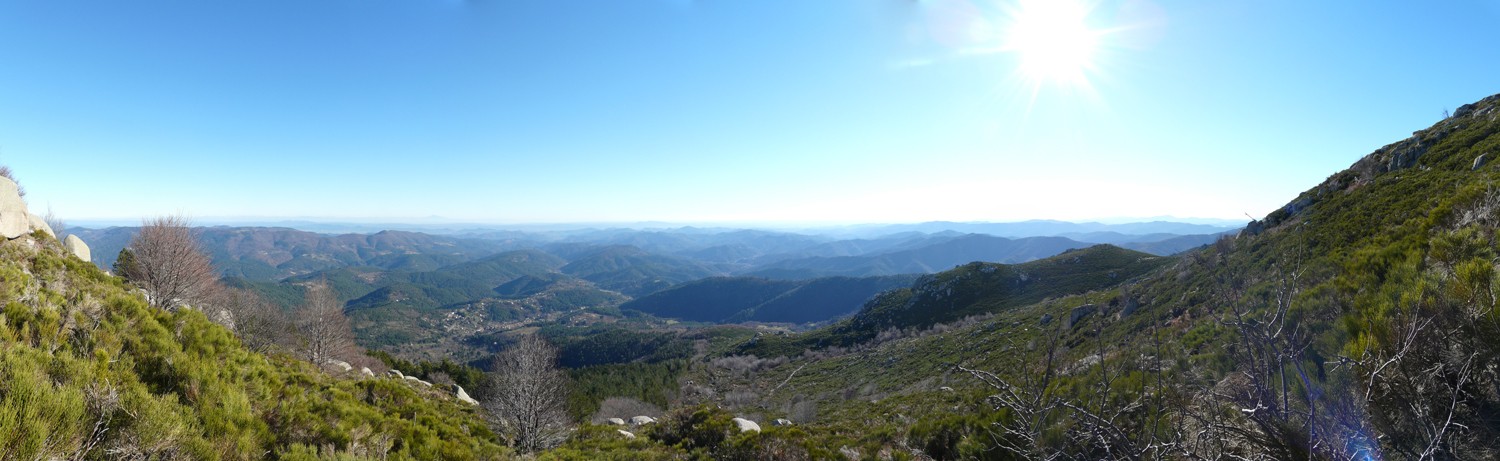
[
  {"x": 408, "y": 287},
  {"x": 642, "y": 260},
  {"x": 274, "y": 253}
]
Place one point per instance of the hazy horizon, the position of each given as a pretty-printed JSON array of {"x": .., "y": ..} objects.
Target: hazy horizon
[{"x": 453, "y": 224}]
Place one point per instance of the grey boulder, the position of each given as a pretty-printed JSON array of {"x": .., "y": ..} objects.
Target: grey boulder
[
  {"x": 746, "y": 425},
  {"x": 15, "y": 221},
  {"x": 76, "y": 246}
]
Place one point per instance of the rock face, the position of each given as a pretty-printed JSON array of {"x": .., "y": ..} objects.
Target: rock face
[
  {"x": 1079, "y": 313},
  {"x": 15, "y": 221},
  {"x": 746, "y": 425},
  {"x": 79, "y": 249},
  {"x": 458, "y": 392},
  {"x": 1129, "y": 306}
]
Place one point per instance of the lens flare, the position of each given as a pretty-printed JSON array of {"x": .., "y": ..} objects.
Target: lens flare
[{"x": 1053, "y": 40}]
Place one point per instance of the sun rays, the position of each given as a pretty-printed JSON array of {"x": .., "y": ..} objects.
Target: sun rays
[
  {"x": 1052, "y": 41},
  {"x": 1049, "y": 44}
]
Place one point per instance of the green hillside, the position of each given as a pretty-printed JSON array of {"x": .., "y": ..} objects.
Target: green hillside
[
  {"x": 712, "y": 299},
  {"x": 633, "y": 271},
  {"x": 974, "y": 289},
  {"x": 739, "y": 299},
  {"x": 1356, "y": 322},
  {"x": 90, "y": 372}
]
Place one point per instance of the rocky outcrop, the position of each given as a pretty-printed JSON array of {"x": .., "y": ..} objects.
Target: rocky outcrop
[
  {"x": 458, "y": 392},
  {"x": 625, "y": 433},
  {"x": 15, "y": 221},
  {"x": 615, "y": 421},
  {"x": 366, "y": 371},
  {"x": 418, "y": 381},
  {"x": 1079, "y": 313},
  {"x": 745, "y": 425},
  {"x": 781, "y": 422},
  {"x": 79, "y": 249}
]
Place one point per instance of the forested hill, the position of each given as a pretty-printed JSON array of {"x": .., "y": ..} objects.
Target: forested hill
[{"x": 730, "y": 299}]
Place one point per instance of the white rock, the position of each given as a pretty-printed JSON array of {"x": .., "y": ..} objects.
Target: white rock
[
  {"x": 341, "y": 364},
  {"x": 945, "y": 389},
  {"x": 37, "y": 223},
  {"x": 746, "y": 425},
  {"x": 458, "y": 391},
  {"x": 15, "y": 221},
  {"x": 639, "y": 420},
  {"x": 625, "y": 433},
  {"x": 366, "y": 371},
  {"x": 76, "y": 246},
  {"x": 781, "y": 422},
  {"x": 394, "y": 373},
  {"x": 615, "y": 421}
]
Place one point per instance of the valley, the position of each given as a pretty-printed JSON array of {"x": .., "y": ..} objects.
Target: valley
[{"x": 431, "y": 297}]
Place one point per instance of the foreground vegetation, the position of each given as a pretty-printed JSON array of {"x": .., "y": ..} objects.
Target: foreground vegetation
[{"x": 90, "y": 371}]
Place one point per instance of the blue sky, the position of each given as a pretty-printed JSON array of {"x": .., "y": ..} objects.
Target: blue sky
[{"x": 713, "y": 110}]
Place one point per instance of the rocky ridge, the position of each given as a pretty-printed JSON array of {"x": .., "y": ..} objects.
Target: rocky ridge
[{"x": 17, "y": 221}]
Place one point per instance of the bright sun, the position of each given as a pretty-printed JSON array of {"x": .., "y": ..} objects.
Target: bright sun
[{"x": 1053, "y": 40}]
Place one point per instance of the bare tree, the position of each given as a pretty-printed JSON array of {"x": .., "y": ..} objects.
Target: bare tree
[
  {"x": 529, "y": 398},
  {"x": 324, "y": 329},
  {"x": 1046, "y": 425},
  {"x": 167, "y": 262},
  {"x": 259, "y": 324},
  {"x": 59, "y": 227},
  {"x": 1274, "y": 391}
]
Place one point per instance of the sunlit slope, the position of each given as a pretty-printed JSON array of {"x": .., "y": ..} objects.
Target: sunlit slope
[
  {"x": 1373, "y": 289},
  {"x": 91, "y": 372}
]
